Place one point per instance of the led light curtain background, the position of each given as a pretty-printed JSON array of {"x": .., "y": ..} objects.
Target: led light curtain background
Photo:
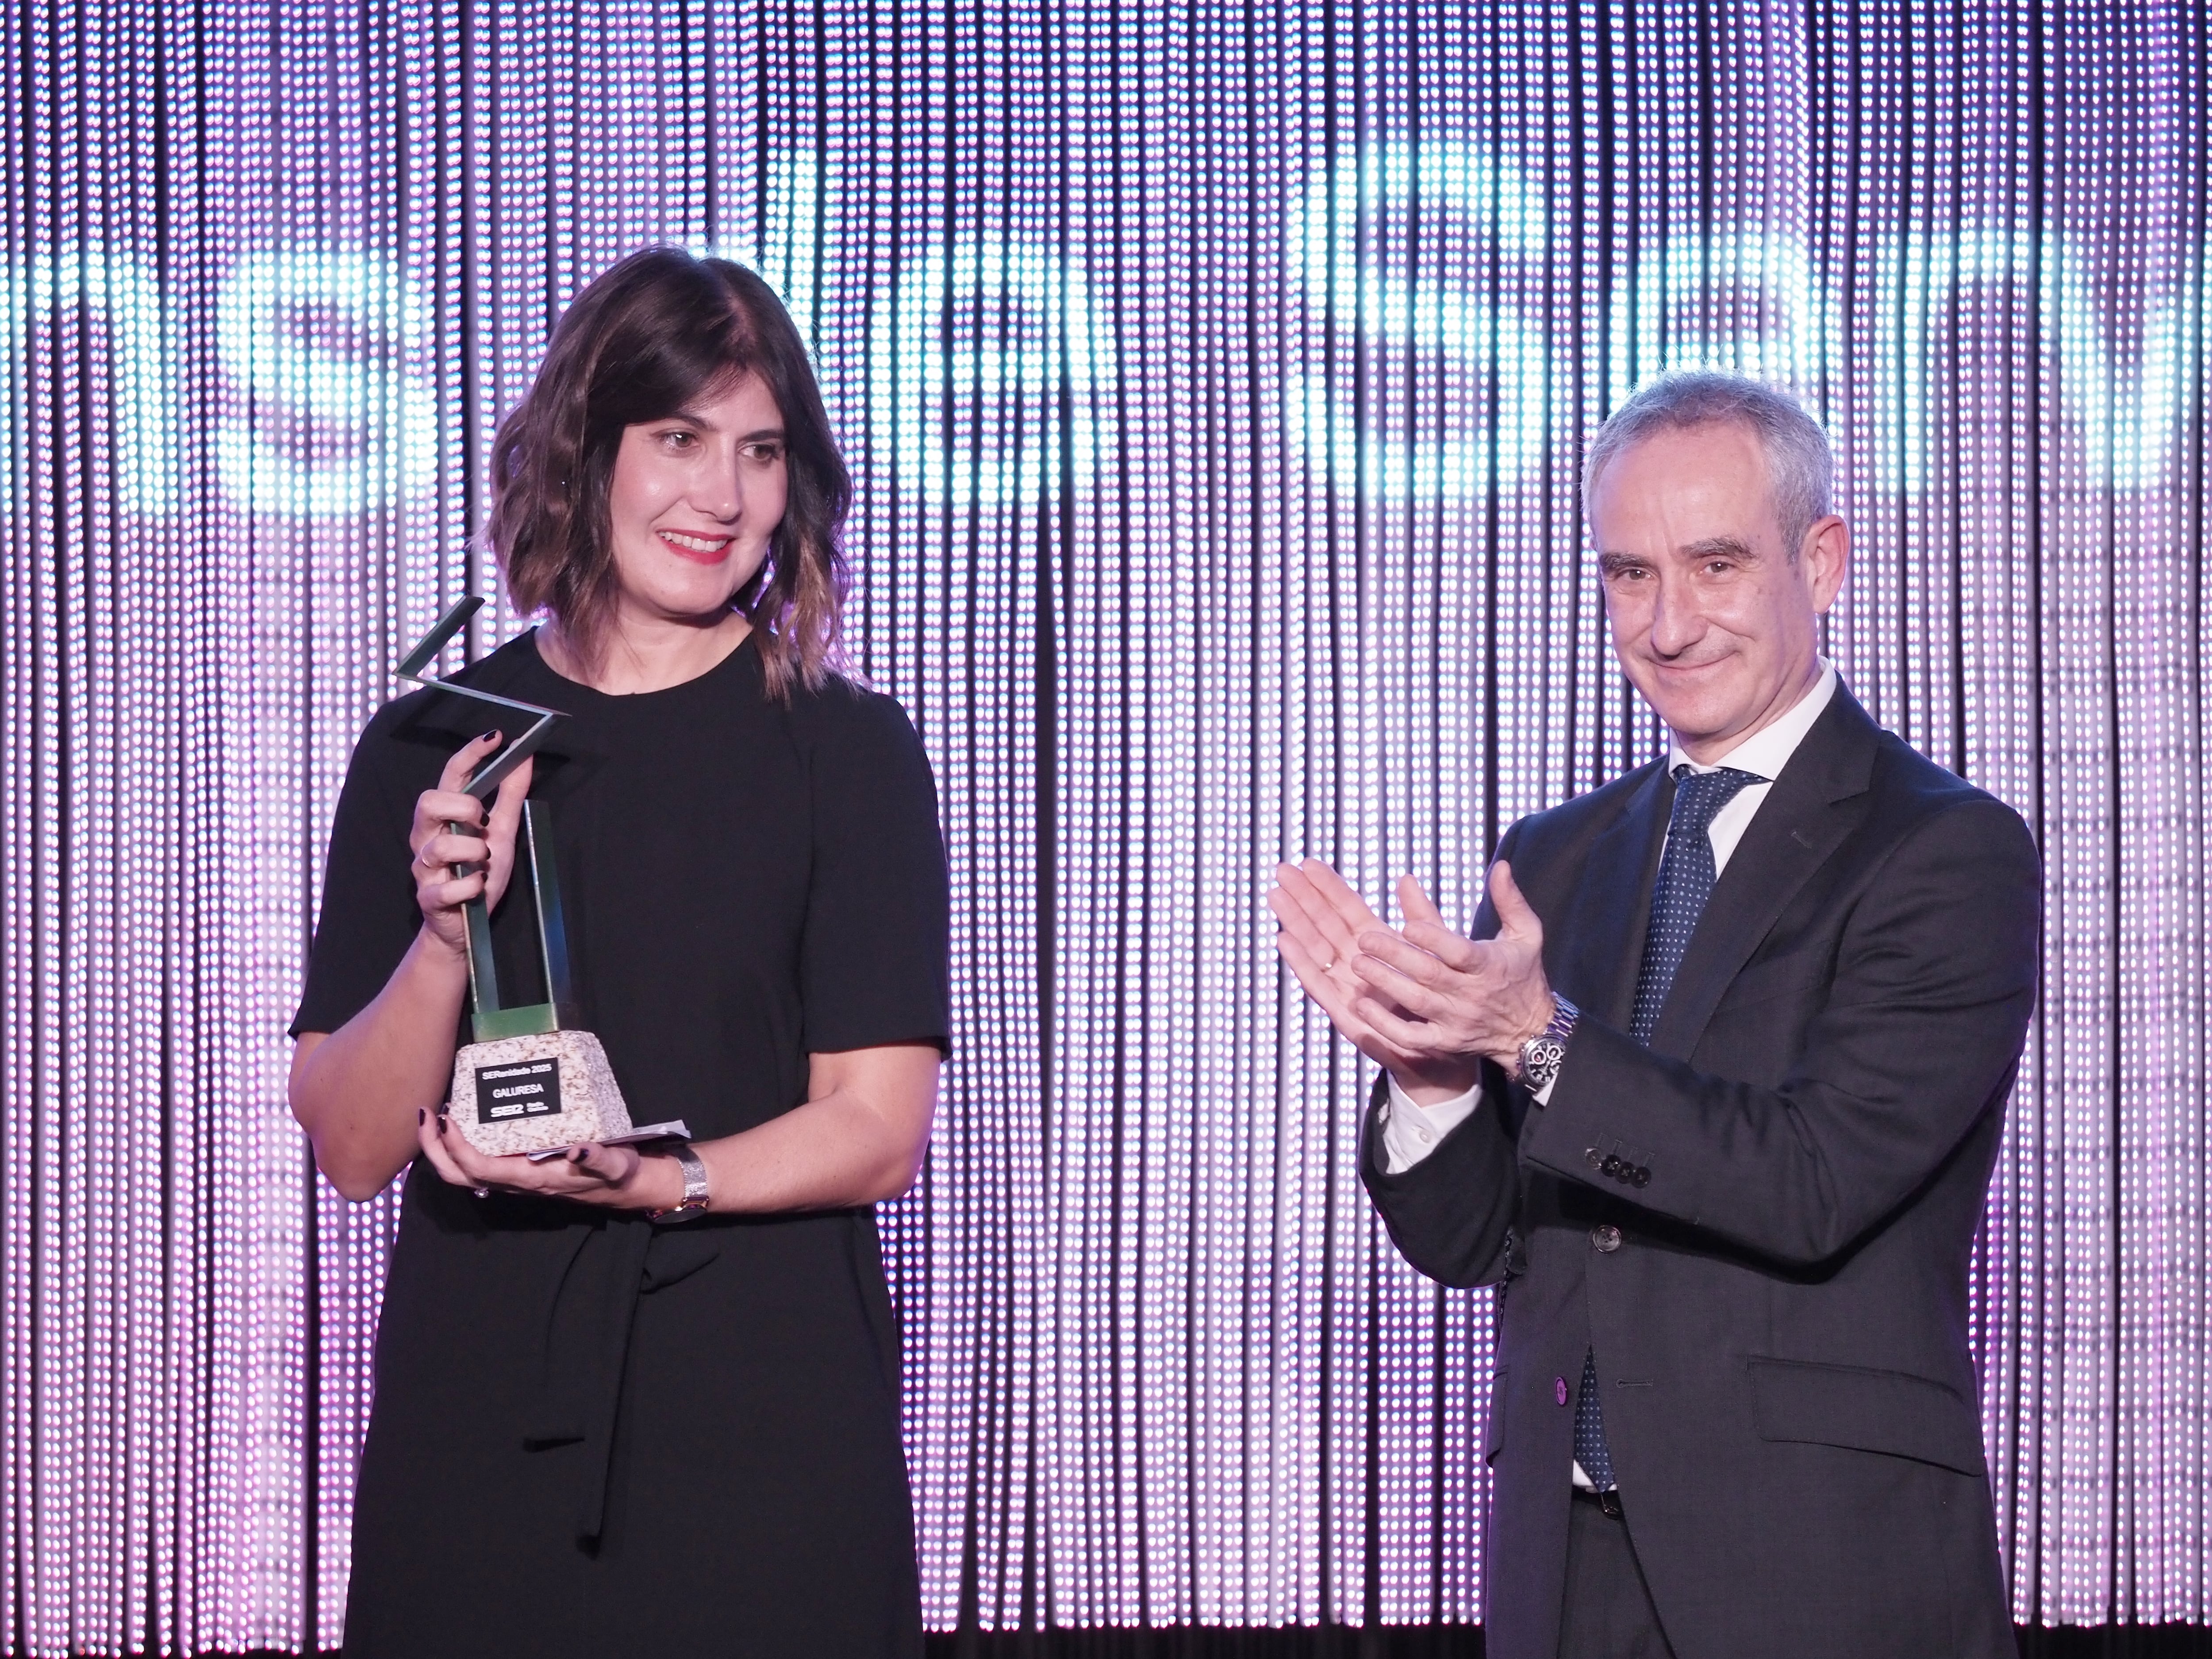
[{"x": 1216, "y": 378}]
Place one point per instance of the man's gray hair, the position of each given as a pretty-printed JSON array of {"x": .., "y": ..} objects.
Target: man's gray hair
[{"x": 1801, "y": 469}]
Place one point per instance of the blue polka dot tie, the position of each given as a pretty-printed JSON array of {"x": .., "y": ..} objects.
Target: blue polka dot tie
[
  {"x": 1686, "y": 882},
  {"x": 1678, "y": 899}
]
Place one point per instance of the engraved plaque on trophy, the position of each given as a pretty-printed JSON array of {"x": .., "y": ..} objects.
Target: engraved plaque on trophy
[{"x": 531, "y": 1082}]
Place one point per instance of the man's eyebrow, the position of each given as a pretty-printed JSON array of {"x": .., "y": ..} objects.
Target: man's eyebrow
[{"x": 1720, "y": 547}]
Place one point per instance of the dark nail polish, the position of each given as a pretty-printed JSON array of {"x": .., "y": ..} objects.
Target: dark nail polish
[
  {"x": 441, "y": 1126},
  {"x": 489, "y": 736},
  {"x": 420, "y": 1113}
]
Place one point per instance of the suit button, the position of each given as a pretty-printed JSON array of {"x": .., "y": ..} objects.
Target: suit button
[
  {"x": 1639, "y": 1176},
  {"x": 1559, "y": 1390},
  {"x": 1594, "y": 1157},
  {"x": 1605, "y": 1237}
]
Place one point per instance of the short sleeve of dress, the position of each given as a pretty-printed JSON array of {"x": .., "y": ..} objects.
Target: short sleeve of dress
[
  {"x": 369, "y": 916},
  {"x": 872, "y": 968}
]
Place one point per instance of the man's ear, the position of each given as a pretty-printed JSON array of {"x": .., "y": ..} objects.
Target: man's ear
[{"x": 1825, "y": 553}]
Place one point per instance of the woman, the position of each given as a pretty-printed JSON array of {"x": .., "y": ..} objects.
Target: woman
[{"x": 595, "y": 1431}]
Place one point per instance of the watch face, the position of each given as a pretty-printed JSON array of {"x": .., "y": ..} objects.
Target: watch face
[{"x": 1540, "y": 1061}]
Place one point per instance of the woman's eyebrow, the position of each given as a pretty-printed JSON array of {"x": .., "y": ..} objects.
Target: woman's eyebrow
[{"x": 692, "y": 417}]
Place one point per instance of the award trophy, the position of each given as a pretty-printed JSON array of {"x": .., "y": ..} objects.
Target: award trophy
[{"x": 529, "y": 1083}]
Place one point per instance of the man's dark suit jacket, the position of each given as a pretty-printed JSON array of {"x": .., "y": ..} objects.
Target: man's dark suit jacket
[{"x": 1801, "y": 1160}]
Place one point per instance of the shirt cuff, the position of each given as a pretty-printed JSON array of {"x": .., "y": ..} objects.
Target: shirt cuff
[{"x": 1411, "y": 1131}]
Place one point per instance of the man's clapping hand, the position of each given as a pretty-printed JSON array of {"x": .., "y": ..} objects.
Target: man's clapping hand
[{"x": 1426, "y": 1004}]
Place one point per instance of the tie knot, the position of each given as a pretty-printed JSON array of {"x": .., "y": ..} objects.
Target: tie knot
[{"x": 1699, "y": 796}]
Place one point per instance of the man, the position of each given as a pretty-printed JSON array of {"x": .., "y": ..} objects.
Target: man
[{"x": 1712, "y": 1095}]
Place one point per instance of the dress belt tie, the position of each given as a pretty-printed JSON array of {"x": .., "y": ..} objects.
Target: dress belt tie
[
  {"x": 587, "y": 1348},
  {"x": 611, "y": 1261}
]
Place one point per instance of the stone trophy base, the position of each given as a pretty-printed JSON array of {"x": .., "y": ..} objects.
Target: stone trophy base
[{"x": 524, "y": 1094}]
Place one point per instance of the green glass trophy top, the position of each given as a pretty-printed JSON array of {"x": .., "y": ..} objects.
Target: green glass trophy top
[{"x": 492, "y": 1021}]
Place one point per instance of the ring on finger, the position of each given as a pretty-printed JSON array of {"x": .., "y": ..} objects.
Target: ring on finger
[{"x": 481, "y": 1192}]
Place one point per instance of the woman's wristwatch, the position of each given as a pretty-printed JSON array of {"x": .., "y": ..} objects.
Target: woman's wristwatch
[
  {"x": 694, "y": 1201},
  {"x": 1541, "y": 1055}
]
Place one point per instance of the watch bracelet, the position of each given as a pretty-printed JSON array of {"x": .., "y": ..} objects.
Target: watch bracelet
[
  {"x": 1546, "y": 1051},
  {"x": 696, "y": 1195}
]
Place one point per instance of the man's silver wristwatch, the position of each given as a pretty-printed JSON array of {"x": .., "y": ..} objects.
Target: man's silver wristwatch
[
  {"x": 694, "y": 1201},
  {"x": 1541, "y": 1054}
]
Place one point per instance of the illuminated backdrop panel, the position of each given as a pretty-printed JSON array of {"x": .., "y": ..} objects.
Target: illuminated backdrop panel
[{"x": 1216, "y": 378}]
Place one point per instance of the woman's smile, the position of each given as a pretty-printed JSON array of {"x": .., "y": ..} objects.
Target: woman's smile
[{"x": 700, "y": 546}]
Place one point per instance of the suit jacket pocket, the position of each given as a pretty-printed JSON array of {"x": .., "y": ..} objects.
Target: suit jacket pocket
[
  {"x": 1892, "y": 1412},
  {"x": 1493, "y": 1428}
]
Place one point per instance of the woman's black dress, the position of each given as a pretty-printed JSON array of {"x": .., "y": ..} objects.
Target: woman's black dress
[{"x": 591, "y": 1435}]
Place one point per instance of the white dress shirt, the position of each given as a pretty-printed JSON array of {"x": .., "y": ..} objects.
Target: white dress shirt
[{"x": 1411, "y": 1131}]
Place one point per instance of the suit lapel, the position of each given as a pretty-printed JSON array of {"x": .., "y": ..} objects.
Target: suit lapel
[
  {"x": 1814, "y": 804},
  {"x": 1605, "y": 934}
]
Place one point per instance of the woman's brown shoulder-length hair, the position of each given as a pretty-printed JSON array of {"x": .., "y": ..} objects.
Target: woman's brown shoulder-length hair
[{"x": 647, "y": 338}]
